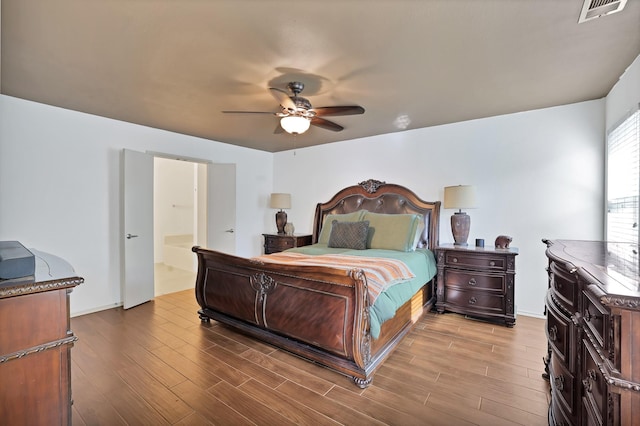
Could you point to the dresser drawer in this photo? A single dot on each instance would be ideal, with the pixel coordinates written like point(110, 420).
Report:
point(562, 386)
point(593, 384)
point(559, 332)
point(475, 301)
point(476, 261)
point(472, 281)
point(596, 319)
point(565, 286)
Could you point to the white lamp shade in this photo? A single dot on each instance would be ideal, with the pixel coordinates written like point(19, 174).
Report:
point(294, 124)
point(280, 201)
point(460, 197)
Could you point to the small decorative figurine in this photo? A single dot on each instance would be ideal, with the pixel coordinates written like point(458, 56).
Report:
point(502, 241)
point(289, 228)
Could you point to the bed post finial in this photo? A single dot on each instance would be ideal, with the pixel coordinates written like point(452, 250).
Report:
point(371, 185)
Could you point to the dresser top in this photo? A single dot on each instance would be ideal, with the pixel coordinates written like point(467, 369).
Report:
point(51, 272)
point(613, 266)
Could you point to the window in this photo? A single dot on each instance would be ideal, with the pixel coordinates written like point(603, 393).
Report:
point(623, 180)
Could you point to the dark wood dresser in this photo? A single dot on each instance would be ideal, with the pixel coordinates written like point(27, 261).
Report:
point(35, 345)
point(593, 331)
point(477, 281)
point(274, 243)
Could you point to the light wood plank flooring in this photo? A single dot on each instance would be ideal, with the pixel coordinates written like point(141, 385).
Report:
point(156, 364)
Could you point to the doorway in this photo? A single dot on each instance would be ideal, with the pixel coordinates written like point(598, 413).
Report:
point(201, 211)
point(180, 220)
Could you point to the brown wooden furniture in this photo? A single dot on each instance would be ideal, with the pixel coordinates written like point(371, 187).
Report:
point(593, 330)
point(35, 345)
point(477, 281)
point(274, 243)
point(319, 313)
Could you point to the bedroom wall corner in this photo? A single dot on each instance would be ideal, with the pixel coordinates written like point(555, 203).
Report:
point(625, 94)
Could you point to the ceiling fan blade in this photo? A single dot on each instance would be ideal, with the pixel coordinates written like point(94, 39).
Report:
point(283, 98)
point(326, 124)
point(339, 110)
point(250, 112)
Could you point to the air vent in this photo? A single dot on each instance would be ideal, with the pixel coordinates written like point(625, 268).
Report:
point(593, 9)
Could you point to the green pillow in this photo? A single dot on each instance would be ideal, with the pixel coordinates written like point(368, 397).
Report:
point(347, 217)
point(392, 231)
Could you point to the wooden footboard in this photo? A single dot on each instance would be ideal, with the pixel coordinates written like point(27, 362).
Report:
point(319, 313)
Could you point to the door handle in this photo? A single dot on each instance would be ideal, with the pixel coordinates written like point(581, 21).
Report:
point(130, 236)
point(231, 231)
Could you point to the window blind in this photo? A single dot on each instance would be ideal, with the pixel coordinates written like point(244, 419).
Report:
point(623, 180)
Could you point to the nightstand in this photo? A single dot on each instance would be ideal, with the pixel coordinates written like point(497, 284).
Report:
point(477, 281)
point(274, 243)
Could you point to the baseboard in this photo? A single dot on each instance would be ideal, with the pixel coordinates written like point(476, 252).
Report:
point(531, 314)
point(96, 309)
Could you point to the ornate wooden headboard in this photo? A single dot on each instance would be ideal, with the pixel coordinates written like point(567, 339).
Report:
point(381, 197)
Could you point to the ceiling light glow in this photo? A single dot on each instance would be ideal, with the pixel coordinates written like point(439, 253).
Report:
point(295, 124)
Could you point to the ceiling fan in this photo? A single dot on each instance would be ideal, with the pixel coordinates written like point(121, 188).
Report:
point(296, 113)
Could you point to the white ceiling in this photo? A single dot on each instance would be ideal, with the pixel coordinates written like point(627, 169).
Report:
point(176, 64)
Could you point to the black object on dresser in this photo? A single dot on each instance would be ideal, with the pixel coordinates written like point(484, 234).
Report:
point(477, 281)
point(274, 243)
point(593, 331)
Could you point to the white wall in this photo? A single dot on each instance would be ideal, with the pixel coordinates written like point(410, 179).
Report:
point(539, 174)
point(60, 188)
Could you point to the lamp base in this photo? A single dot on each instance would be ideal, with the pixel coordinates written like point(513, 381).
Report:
point(460, 225)
point(281, 221)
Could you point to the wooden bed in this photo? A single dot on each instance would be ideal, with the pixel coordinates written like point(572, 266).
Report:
point(317, 312)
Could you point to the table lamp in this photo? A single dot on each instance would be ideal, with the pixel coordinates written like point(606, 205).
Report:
point(280, 201)
point(460, 197)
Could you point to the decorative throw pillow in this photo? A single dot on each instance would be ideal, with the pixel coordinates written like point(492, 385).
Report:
point(351, 235)
point(345, 217)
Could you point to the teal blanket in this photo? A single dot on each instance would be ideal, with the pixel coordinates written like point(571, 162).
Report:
point(422, 263)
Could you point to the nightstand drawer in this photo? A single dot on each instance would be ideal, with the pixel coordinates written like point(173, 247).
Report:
point(471, 300)
point(473, 281)
point(279, 244)
point(274, 243)
point(475, 260)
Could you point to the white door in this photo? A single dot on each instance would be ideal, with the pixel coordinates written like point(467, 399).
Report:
point(138, 286)
point(221, 201)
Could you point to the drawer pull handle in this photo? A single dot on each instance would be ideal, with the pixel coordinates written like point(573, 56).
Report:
point(588, 382)
point(454, 259)
point(473, 300)
point(559, 382)
point(587, 315)
point(472, 281)
point(492, 263)
point(553, 333)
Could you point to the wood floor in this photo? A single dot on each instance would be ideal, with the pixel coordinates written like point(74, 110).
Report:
point(156, 364)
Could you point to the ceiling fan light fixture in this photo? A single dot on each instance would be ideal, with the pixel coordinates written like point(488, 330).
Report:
point(295, 124)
